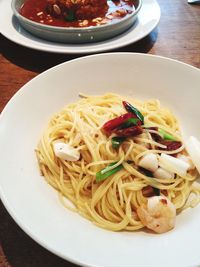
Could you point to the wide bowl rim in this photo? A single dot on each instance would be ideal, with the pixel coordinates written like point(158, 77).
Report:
point(23, 89)
point(73, 29)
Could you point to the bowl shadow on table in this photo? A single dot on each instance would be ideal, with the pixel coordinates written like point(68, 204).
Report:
point(39, 61)
point(17, 249)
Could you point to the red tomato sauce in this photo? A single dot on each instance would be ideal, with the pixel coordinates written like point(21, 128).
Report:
point(37, 11)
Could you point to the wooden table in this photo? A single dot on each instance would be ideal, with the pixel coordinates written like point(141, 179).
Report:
point(177, 36)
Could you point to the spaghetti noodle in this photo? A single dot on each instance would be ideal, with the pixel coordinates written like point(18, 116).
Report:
point(112, 201)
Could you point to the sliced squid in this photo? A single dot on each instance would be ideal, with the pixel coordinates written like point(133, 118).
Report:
point(193, 148)
point(66, 152)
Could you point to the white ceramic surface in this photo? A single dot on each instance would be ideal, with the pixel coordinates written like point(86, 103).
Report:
point(148, 19)
point(34, 205)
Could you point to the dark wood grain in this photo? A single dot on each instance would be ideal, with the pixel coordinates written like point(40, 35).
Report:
point(177, 36)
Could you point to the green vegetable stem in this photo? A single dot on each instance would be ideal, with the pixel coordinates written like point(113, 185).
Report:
point(130, 122)
point(117, 141)
point(166, 135)
point(103, 174)
point(133, 110)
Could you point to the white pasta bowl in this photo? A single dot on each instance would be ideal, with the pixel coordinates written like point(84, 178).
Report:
point(72, 34)
point(35, 205)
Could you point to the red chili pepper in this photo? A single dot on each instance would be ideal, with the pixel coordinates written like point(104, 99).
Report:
point(163, 201)
point(171, 145)
point(156, 137)
point(148, 191)
point(129, 132)
point(111, 125)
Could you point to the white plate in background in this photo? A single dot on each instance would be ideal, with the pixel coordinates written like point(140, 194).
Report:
point(35, 206)
point(148, 18)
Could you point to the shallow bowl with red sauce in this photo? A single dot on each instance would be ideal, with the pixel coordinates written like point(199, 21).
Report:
point(33, 17)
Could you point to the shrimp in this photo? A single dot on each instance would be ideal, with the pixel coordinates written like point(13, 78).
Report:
point(159, 214)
